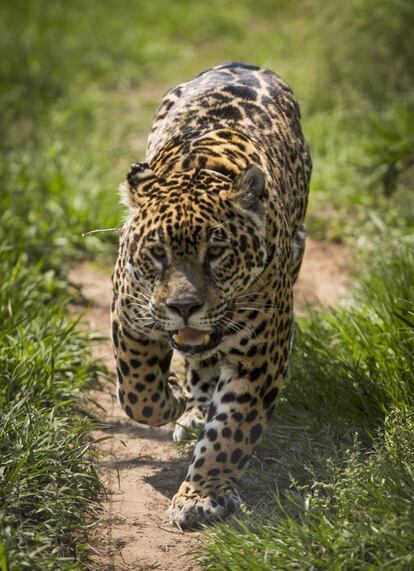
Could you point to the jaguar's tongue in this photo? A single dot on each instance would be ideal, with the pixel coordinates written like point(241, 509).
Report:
point(190, 336)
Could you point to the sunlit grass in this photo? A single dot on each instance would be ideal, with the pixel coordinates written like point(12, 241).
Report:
point(48, 482)
point(359, 518)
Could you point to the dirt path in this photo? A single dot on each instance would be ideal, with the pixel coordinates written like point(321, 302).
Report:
point(141, 466)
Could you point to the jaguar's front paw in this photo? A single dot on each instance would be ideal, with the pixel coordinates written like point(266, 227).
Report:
point(188, 426)
point(190, 509)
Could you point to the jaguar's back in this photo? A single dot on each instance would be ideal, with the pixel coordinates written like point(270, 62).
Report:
point(221, 117)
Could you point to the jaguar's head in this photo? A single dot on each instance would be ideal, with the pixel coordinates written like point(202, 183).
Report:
point(194, 242)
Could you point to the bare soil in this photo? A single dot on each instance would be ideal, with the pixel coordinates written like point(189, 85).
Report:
point(141, 466)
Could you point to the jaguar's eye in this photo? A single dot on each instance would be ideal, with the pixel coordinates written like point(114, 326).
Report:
point(158, 253)
point(214, 253)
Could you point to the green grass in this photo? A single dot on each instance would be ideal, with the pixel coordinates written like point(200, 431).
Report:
point(48, 483)
point(356, 361)
point(79, 84)
point(361, 517)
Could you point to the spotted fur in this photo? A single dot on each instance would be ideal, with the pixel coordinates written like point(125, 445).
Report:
point(214, 241)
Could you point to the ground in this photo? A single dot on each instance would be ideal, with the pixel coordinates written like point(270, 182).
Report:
point(141, 466)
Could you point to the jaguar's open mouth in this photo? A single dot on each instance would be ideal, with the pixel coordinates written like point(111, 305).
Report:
point(193, 341)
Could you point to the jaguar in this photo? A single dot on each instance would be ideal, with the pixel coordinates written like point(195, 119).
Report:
point(208, 255)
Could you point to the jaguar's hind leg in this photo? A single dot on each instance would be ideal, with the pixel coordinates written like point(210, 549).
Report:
point(298, 251)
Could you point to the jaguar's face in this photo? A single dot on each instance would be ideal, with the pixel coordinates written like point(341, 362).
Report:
point(191, 252)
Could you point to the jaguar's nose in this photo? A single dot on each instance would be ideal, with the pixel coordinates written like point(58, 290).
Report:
point(184, 307)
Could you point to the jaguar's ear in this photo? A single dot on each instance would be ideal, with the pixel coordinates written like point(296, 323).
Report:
point(139, 180)
point(249, 187)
